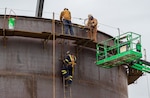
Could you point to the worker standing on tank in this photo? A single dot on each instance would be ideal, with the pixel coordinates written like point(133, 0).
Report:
point(92, 25)
point(68, 67)
point(65, 17)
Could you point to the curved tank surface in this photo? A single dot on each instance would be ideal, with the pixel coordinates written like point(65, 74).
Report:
point(28, 61)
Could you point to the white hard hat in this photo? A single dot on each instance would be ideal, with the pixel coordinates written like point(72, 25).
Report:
point(68, 52)
point(65, 8)
point(90, 15)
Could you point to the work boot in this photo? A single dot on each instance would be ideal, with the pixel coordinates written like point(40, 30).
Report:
point(69, 79)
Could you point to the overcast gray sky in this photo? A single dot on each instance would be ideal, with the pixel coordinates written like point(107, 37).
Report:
point(128, 15)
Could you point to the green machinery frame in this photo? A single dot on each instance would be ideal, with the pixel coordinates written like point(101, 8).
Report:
point(120, 50)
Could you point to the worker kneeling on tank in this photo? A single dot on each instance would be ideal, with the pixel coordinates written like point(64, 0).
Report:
point(68, 67)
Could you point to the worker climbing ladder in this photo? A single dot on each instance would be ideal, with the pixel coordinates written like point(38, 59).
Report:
point(120, 50)
point(68, 72)
point(66, 86)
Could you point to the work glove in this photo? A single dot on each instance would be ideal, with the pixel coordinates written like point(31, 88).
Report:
point(93, 25)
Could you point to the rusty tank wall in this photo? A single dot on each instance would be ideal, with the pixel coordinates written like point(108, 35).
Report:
point(26, 67)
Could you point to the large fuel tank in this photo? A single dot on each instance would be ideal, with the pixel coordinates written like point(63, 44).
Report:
point(30, 66)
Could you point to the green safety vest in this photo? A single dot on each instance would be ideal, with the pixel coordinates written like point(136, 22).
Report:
point(138, 47)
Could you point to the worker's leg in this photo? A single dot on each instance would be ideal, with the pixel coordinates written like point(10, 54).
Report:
point(70, 28)
point(64, 71)
point(70, 74)
point(70, 70)
point(66, 26)
point(90, 33)
point(94, 34)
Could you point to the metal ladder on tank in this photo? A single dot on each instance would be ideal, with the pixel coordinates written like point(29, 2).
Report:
point(67, 90)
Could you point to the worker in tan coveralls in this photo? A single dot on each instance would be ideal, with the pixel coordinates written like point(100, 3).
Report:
point(92, 25)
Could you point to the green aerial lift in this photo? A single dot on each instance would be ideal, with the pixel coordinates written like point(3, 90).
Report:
point(124, 49)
